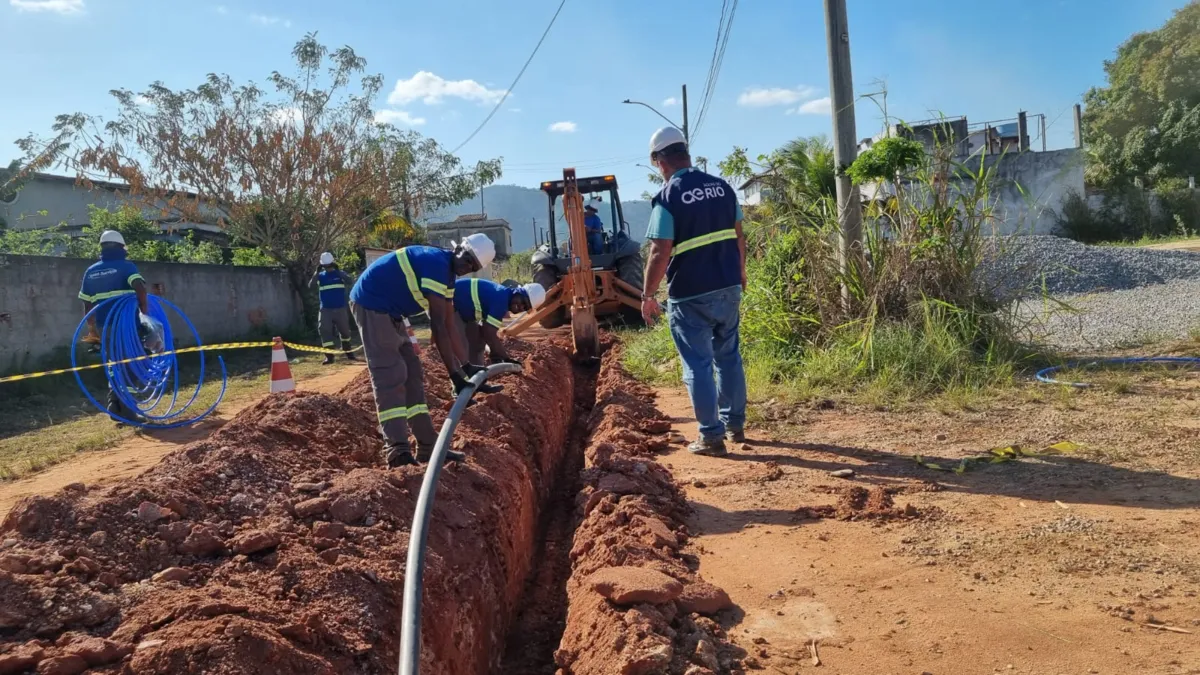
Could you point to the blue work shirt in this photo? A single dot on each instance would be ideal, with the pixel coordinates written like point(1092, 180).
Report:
point(698, 212)
point(331, 288)
point(111, 277)
point(481, 300)
point(397, 284)
point(593, 223)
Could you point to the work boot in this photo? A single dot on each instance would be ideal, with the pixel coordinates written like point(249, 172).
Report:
point(735, 435)
point(424, 454)
point(708, 447)
point(399, 455)
point(328, 360)
point(346, 348)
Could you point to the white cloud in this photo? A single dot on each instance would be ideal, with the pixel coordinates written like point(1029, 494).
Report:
point(286, 115)
point(398, 117)
point(269, 20)
point(563, 127)
point(670, 102)
point(820, 106)
point(142, 101)
point(432, 90)
point(759, 97)
point(55, 6)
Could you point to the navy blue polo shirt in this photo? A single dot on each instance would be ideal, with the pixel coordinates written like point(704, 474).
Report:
point(698, 213)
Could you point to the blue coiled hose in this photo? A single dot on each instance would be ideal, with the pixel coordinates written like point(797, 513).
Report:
point(141, 385)
point(1044, 375)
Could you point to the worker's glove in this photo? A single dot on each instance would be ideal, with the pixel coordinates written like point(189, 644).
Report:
point(471, 369)
point(461, 383)
point(508, 359)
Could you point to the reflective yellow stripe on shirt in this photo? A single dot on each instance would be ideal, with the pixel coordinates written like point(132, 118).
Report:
point(703, 240)
point(495, 322)
point(410, 277)
point(134, 277)
point(436, 287)
point(475, 299)
point(330, 287)
point(111, 294)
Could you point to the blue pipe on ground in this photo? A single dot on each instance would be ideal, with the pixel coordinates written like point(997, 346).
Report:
point(1044, 375)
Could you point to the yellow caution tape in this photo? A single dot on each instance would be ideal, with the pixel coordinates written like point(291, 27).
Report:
point(1007, 453)
point(186, 350)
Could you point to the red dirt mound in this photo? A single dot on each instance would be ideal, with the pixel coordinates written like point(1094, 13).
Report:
point(278, 544)
point(636, 604)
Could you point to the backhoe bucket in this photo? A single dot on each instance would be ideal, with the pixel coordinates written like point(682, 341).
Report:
point(585, 333)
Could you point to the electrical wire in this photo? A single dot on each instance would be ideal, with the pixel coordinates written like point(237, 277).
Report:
point(711, 89)
point(712, 64)
point(142, 384)
point(515, 80)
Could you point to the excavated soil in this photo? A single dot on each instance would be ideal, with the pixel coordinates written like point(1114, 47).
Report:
point(277, 545)
point(636, 603)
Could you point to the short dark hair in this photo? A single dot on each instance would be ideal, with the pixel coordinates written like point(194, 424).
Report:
point(673, 152)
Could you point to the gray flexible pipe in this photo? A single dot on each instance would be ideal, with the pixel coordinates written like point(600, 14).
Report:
point(414, 569)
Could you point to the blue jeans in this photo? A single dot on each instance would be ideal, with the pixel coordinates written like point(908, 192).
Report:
point(595, 243)
point(705, 331)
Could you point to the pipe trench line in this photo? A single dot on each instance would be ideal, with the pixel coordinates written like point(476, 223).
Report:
point(414, 569)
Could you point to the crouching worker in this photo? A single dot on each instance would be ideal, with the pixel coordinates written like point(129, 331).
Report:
point(481, 306)
point(412, 281)
point(334, 319)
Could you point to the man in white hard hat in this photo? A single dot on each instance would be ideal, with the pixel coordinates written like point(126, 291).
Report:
point(696, 242)
point(334, 318)
point(481, 306)
point(414, 280)
point(114, 275)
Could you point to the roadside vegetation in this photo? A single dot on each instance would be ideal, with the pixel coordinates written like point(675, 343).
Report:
point(906, 320)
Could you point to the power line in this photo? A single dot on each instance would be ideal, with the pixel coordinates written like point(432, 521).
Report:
point(515, 80)
point(717, 72)
point(712, 64)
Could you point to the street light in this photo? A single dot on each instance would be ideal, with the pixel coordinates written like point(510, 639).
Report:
point(683, 127)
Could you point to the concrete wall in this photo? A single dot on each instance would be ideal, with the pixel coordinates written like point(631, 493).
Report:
point(1028, 188)
point(40, 307)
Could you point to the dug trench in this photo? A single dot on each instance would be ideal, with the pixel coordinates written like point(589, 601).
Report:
point(277, 545)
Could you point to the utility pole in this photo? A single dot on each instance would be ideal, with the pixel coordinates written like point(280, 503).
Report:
point(686, 138)
point(845, 143)
point(535, 239)
point(1078, 126)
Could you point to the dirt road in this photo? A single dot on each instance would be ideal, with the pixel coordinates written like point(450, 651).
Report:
point(1046, 567)
point(145, 450)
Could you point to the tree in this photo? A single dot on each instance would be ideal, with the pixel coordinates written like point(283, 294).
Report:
point(797, 175)
point(424, 177)
point(294, 170)
point(1144, 126)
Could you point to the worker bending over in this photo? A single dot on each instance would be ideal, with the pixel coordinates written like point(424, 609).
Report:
point(335, 316)
point(111, 277)
point(482, 305)
point(696, 241)
point(408, 282)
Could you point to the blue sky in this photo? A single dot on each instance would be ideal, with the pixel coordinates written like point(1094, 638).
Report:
point(446, 62)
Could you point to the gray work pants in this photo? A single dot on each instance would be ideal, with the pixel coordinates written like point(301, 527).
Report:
point(473, 333)
point(333, 323)
point(397, 380)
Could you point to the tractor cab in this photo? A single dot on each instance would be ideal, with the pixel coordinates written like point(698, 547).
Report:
point(600, 192)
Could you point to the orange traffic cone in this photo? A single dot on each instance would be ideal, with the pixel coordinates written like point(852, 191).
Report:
point(412, 337)
point(281, 372)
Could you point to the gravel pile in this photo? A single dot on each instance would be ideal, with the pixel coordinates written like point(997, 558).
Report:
point(1114, 296)
point(1018, 267)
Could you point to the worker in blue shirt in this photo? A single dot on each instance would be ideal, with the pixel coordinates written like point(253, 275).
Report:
point(332, 288)
point(595, 229)
point(111, 277)
point(414, 280)
point(481, 306)
point(696, 242)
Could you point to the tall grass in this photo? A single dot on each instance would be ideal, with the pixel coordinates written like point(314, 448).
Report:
point(906, 319)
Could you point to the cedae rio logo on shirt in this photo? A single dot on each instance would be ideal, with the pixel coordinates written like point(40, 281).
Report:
point(102, 272)
point(700, 194)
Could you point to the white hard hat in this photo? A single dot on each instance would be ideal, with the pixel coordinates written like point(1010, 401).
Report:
point(592, 206)
point(664, 137)
point(112, 237)
point(537, 294)
point(327, 258)
point(483, 248)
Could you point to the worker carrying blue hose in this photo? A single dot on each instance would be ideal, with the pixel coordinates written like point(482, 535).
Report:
point(112, 276)
point(334, 317)
point(480, 306)
point(408, 282)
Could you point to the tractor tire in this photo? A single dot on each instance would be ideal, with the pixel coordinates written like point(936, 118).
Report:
point(548, 276)
point(630, 270)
